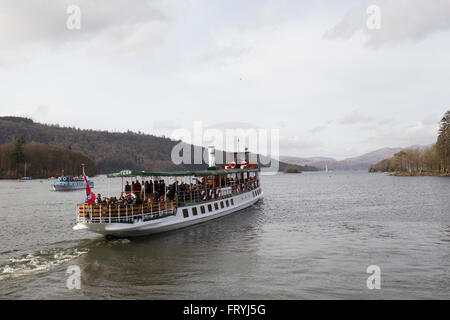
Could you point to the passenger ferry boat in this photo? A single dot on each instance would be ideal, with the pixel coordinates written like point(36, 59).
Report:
point(193, 197)
point(70, 183)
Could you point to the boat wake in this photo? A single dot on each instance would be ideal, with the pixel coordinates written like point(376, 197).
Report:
point(117, 242)
point(39, 262)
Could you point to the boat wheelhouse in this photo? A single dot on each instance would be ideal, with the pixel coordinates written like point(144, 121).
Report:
point(189, 197)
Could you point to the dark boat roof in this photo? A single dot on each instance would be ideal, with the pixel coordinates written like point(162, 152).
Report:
point(201, 173)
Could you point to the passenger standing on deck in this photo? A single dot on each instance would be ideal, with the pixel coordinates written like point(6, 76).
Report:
point(157, 190)
point(171, 192)
point(147, 189)
point(138, 188)
point(127, 187)
point(162, 188)
point(150, 183)
point(182, 191)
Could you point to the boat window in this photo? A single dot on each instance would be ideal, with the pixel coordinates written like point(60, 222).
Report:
point(221, 204)
point(210, 208)
point(185, 213)
point(194, 211)
point(202, 209)
point(216, 206)
point(232, 202)
point(227, 203)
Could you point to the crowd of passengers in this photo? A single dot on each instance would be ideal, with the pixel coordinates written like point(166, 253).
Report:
point(157, 191)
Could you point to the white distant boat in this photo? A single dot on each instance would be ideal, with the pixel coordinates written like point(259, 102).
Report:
point(215, 194)
point(25, 178)
point(70, 183)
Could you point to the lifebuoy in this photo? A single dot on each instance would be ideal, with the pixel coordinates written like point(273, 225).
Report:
point(238, 188)
point(243, 164)
point(204, 195)
point(211, 194)
point(243, 187)
point(233, 165)
point(217, 193)
point(131, 198)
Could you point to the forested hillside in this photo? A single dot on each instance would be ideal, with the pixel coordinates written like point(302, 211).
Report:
point(109, 151)
point(39, 160)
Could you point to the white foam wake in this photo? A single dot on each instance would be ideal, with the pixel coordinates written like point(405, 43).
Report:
point(38, 262)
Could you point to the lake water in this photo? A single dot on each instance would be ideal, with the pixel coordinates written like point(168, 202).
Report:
point(312, 236)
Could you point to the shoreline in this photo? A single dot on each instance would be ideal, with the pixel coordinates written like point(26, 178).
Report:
point(419, 174)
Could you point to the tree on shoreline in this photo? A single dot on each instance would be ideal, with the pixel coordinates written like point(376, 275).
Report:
point(434, 159)
point(43, 161)
point(443, 142)
point(17, 155)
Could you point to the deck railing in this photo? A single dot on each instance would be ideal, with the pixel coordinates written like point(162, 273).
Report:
point(116, 213)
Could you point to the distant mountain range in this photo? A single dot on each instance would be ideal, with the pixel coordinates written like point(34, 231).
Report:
point(362, 162)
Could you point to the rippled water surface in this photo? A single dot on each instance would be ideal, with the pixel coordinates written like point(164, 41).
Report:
point(312, 236)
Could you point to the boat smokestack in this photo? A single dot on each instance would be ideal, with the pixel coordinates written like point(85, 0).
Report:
point(211, 156)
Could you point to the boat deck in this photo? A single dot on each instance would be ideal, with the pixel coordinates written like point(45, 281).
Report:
point(115, 213)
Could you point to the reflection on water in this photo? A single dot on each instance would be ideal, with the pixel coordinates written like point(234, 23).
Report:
point(313, 236)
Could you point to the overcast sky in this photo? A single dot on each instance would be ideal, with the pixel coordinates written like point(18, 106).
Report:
point(311, 69)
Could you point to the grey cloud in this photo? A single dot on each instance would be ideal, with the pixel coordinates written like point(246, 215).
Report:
point(296, 144)
point(356, 117)
point(318, 129)
point(272, 9)
point(401, 21)
point(223, 56)
point(233, 125)
point(43, 22)
point(406, 135)
point(41, 111)
point(171, 124)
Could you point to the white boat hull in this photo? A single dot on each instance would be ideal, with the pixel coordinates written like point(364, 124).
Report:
point(177, 221)
point(71, 186)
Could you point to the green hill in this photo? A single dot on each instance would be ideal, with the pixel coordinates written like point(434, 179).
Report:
point(41, 161)
point(110, 151)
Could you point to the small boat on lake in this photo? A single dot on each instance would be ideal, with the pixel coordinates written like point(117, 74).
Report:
point(172, 200)
point(25, 178)
point(70, 183)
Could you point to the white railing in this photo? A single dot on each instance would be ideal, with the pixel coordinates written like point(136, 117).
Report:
point(96, 213)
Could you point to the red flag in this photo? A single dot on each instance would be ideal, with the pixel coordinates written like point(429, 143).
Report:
point(89, 195)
